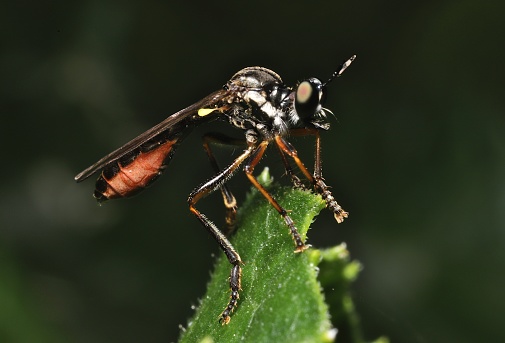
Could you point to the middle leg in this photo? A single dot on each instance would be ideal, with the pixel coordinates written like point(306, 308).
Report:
point(229, 200)
point(249, 169)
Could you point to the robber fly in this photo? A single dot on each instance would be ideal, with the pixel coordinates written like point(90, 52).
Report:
point(256, 101)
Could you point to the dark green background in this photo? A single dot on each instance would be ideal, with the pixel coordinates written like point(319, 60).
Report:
point(416, 156)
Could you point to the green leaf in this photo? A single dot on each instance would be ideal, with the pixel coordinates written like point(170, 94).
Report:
point(337, 272)
point(281, 299)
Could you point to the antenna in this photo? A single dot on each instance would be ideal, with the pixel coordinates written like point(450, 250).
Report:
point(340, 69)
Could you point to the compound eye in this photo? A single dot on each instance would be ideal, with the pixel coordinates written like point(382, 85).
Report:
point(308, 98)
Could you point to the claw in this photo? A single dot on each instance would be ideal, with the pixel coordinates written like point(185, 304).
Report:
point(340, 216)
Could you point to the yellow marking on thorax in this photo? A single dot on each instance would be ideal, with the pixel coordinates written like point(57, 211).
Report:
point(202, 112)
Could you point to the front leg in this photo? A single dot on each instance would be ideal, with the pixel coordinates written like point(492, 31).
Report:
point(316, 179)
point(322, 188)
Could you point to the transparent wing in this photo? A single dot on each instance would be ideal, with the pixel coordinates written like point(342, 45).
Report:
point(207, 102)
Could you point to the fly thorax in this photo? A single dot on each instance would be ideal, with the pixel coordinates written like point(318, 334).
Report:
point(266, 110)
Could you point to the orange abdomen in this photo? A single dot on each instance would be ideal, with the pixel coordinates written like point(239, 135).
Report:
point(130, 175)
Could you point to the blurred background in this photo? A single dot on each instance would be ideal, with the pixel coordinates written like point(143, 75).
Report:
point(415, 154)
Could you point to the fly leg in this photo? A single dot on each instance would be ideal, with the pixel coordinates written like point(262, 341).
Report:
point(229, 200)
point(316, 179)
point(297, 183)
point(249, 169)
point(233, 257)
point(322, 188)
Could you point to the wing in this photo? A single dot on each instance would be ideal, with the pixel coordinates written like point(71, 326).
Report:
point(209, 101)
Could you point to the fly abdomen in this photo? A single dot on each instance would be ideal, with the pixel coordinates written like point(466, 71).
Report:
point(128, 176)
